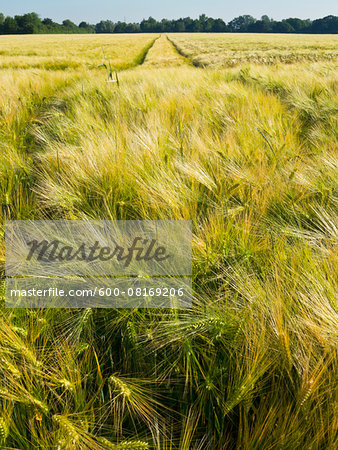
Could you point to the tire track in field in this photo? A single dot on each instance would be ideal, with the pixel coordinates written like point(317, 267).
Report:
point(143, 56)
point(164, 54)
point(179, 51)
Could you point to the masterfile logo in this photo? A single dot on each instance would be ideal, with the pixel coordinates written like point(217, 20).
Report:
point(141, 249)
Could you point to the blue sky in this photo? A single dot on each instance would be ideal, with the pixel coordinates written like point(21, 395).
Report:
point(133, 10)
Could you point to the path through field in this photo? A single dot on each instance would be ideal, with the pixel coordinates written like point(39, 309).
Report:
point(164, 54)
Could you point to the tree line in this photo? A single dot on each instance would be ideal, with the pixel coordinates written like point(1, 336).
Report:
point(32, 24)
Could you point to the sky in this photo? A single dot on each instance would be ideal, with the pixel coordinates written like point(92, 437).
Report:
point(93, 11)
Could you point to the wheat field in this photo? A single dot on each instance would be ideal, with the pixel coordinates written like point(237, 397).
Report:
point(219, 50)
point(237, 133)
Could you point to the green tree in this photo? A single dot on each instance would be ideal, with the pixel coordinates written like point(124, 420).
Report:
point(196, 26)
point(282, 27)
point(29, 23)
point(150, 25)
point(10, 26)
point(179, 26)
point(69, 26)
point(328, 24)
point(48, 22)
point(266, 19)
point(299, 25)
point(105, 26)
point(260, 26)
point(85, 27)
point(2, 19)
point(241, 23)
point(219, 26)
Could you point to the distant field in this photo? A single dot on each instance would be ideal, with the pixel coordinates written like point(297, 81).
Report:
point(233, 49)
point(244, 148)
point(72, 51)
